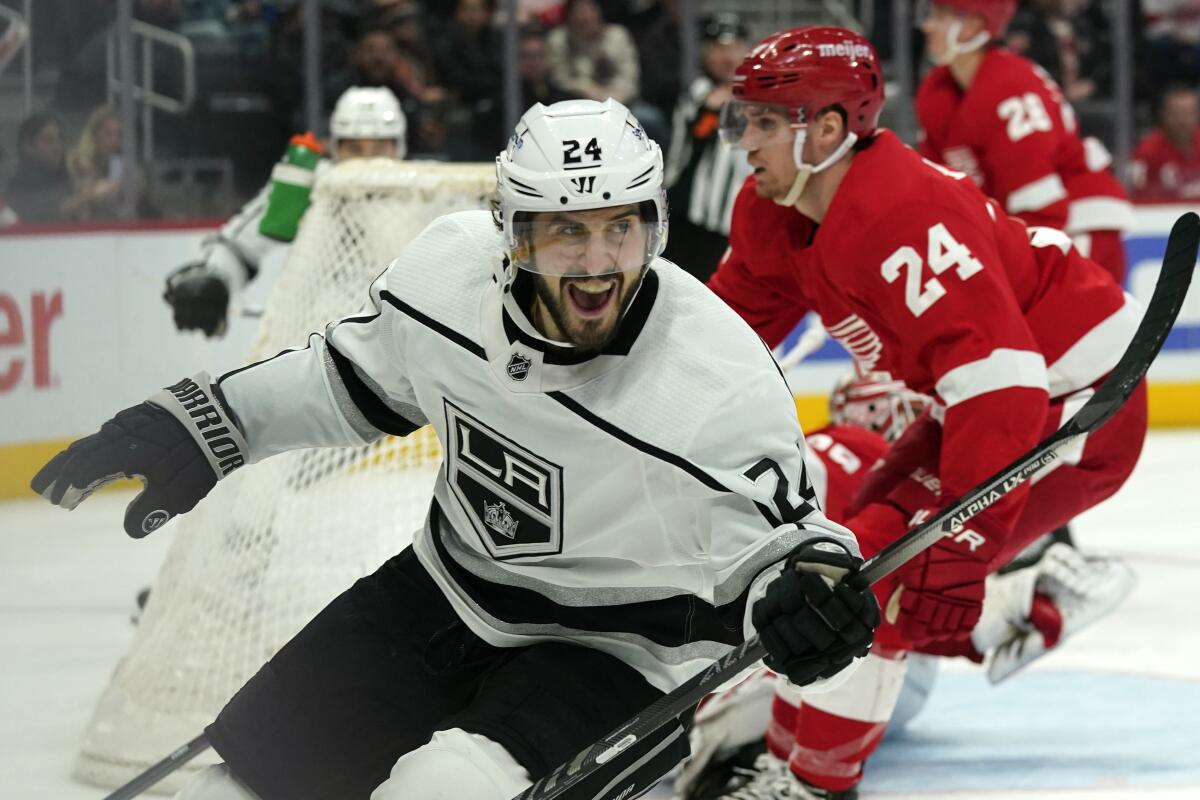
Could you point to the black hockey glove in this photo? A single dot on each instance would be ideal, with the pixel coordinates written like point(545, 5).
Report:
point(199, 299)
point(180, 442)
point(814, 620)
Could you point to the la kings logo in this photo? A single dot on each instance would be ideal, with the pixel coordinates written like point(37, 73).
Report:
point(512, 496)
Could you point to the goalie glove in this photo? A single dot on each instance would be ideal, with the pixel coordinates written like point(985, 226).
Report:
point(179, 443)
point(815, 619)
point(199, 299)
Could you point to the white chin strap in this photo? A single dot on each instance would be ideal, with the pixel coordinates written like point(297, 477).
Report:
point(955, 48)
point(804, 170)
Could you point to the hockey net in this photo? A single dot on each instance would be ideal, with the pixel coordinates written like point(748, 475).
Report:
point(275, 542)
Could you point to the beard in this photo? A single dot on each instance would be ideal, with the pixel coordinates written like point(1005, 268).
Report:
point(587, 335)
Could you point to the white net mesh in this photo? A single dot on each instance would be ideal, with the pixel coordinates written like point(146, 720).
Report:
point(276, 541)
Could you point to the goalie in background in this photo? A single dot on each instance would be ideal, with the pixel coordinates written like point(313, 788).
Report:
point(367, 122)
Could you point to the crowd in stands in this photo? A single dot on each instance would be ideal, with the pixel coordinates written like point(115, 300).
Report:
point(84, 184)
point(444, 60)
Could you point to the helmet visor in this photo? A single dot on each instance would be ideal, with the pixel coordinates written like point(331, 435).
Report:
point(754, 125)
point(599, 241)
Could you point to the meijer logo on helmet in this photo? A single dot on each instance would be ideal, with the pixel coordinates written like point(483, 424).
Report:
point(844, 48)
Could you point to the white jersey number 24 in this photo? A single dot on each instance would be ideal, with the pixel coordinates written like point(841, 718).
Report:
point(943, 252)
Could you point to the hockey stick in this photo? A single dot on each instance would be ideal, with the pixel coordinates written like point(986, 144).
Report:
point(1169, 292)
point(161, 770)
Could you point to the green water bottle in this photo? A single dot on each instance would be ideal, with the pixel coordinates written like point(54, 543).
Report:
point(291, 185)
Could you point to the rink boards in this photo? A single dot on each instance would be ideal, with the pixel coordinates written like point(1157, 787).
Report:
point(84, 331)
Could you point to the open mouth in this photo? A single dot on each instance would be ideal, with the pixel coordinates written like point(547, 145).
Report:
point(592, 298)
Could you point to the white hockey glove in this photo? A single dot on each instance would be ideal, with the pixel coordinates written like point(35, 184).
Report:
point(814, 619)
point(180, 442)
point(199, 299)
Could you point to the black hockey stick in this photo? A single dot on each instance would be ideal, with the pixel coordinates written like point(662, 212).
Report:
point(161, 770)
point(1169, 292)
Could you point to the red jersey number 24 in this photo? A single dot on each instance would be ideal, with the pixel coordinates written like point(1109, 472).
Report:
point(943, 252)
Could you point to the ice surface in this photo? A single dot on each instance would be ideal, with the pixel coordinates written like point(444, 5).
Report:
point(1115, 714)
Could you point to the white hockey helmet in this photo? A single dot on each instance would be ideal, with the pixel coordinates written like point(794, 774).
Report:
point(580, 155)
point(369, 112)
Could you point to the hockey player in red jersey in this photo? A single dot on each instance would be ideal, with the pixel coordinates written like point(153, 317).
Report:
point(918, 274)
point(744, 738)
point(1002, 119)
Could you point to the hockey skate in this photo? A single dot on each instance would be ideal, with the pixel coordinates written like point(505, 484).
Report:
point(769, 778)
point(727, 738)
point(1071, 591)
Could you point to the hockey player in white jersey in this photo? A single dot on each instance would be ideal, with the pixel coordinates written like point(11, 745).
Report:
point(623, 497)
point(367, 122)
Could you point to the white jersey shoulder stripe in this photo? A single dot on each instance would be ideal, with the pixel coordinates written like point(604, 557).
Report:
point(1099, 214)
point(1036, 195)
point(1003, 368)
point(1096, 352)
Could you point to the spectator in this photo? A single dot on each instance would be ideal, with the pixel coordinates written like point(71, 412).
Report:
point(378, 60)
point(535, 75)
point(250, 23)
point(660, 58)
point(374, 61)
point(1173, 34)
point(704, 174)
point(416, 66)
point(591, 59)
point(1070, 45)
point(468, 61)
point(40, 191)
point(544, 13)
point(1166, 163)
point(98, 172)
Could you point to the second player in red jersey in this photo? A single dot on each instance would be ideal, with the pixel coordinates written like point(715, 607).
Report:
point(1001, 119)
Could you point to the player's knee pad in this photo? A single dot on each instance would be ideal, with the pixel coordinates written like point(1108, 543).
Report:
point(868, 695)
point(455, 765)
point(215, 783)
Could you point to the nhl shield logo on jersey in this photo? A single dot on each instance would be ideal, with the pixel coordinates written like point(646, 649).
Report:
point(518, 367)
point(512, 496)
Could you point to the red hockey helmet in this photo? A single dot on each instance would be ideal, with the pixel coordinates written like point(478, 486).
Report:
point(809, 69)
point(996, 13)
